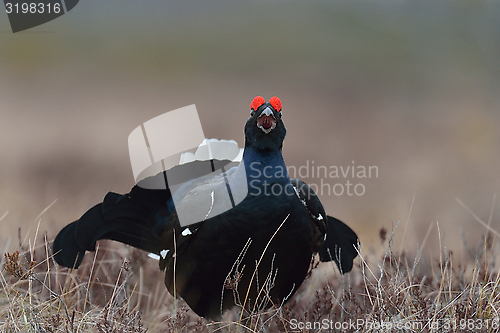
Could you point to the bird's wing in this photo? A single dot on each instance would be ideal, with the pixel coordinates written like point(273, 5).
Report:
point(313, 205)
point(210, 195)
point(341, 245)
point(333, 239)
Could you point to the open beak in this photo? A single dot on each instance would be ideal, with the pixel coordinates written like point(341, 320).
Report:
point(266, 121)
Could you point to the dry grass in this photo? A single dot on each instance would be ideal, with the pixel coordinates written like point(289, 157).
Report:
point(391, 293)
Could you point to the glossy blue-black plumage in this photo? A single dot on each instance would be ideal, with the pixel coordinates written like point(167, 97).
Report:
point(253, 254)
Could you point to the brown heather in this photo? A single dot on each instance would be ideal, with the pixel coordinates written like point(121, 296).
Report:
point(121, 294)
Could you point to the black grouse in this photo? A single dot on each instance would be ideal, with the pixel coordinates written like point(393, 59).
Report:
point(257, 251)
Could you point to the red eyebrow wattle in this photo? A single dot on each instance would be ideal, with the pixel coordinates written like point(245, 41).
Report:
point(276, 103)
point(257, 102)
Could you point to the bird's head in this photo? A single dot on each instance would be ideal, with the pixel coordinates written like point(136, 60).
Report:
point(264, 129)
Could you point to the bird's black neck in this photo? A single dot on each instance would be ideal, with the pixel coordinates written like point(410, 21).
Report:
point(265, 165)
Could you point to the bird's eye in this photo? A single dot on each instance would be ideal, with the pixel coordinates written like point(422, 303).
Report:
point(256, 103)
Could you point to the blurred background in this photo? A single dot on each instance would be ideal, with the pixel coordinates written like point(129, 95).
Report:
point(411, 87)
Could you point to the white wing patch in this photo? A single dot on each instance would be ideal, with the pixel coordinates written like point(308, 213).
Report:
point(164, 253)
point(154, 256)
point(304, 203)
point(214, 148)
point(186, 232)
